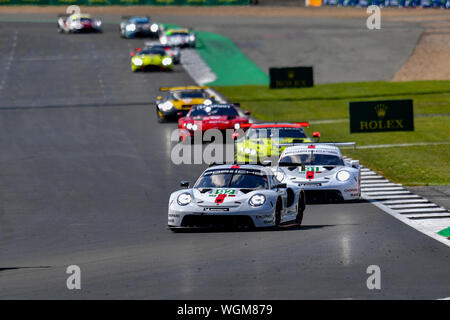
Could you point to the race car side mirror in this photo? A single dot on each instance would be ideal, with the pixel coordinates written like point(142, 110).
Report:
point(281, 186)
point(131, 54)
point(354, 163)
point(137, 49)
point(184, 184)
point(247, 113)
point(158, 98)
point(235, 135)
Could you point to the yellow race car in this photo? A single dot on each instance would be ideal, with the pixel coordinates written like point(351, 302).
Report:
point(179, 101)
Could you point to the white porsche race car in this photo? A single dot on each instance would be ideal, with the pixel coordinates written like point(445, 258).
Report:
point(321, 171)
point(236, 196)
point(78, 23)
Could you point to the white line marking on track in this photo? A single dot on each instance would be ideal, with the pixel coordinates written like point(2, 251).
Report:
point(414, 144)
point(388, 202)
point(436, 209)
point(380, 188)
point(411, 223)
point(196, 67)
point(384, 184)
point(428, 215)
point(413, 205)
point(388, 197)
point(388, 193)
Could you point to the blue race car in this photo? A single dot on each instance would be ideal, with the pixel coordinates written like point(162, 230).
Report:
point(132, 27)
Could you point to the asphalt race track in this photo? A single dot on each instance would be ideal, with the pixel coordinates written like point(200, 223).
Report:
point(85, 175)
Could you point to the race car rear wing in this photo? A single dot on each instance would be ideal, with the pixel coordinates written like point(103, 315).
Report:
point(183, 88)
point(336, 144)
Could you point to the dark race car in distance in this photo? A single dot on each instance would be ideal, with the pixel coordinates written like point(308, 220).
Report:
point(132, 27)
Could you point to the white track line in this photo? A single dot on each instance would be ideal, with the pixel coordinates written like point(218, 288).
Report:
point(381, 188)
point(385, 184)
point(422, 210)
point(413, 205)
point(414, 144)
point(389, 202)
point(411, 223)
point(196, 67)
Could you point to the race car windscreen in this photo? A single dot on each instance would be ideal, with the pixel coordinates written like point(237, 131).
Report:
point(311, 159)
point(153, 51)
point(232, 178)
point(281, 133)
point(202, 110)
point(178, 34)
point(192, 95)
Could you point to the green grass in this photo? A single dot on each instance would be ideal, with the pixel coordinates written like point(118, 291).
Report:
point(330, 101)
point(424, 165)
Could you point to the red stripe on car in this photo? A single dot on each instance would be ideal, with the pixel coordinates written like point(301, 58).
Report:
point(220, 198)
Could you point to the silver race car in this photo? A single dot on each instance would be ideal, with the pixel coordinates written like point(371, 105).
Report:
point(321, 171)
point(237, 196)
point(178, 37)
point(78, 22)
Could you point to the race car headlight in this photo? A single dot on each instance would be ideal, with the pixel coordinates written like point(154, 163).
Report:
point(98, 23)
point(207, 102)
point(167, 61)
point(163, 40)
point(194, 127)
point(138, 61)
point(247, 150)
point(166, 106)
point(189, 126)
point(237, 126)
point(192, 37)
point(154, 27)
point(257, 200)
point(343, 175)
point(184, 199)
point(131, 27)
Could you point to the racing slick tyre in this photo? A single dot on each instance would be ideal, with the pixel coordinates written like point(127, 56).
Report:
point(159, 116)
point(300, 209)
point(278, 214)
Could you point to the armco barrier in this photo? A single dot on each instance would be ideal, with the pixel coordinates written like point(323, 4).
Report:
point(127, 2)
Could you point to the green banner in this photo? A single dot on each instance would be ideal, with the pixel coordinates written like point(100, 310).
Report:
point(127, 2)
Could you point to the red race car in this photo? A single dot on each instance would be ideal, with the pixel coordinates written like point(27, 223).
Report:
point(202, 117)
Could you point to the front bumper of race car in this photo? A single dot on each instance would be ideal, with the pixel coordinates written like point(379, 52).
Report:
point(195, 217)
point(330, 191)
point(172, 114)
point(141, 33)
point(151, 67)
